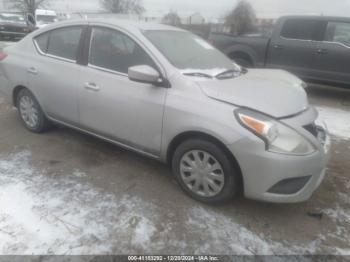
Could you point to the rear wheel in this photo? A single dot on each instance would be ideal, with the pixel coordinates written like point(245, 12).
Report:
point(205, 172)
point(31, 113)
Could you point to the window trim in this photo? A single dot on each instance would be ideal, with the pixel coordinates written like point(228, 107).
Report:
point(82, 38)
point(319, 41)
point(296, 39)
point(160, 68)
point(107, 70)
point(38, 49)
point(333, 42)
point(336, 43)
point(37, 45)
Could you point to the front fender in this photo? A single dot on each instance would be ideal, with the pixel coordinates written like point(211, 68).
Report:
point(185, 115)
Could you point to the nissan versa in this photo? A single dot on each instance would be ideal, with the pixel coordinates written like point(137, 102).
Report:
point(169, 95)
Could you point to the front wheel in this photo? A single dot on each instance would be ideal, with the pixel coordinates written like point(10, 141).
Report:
point(31, 113)
point(205, 172)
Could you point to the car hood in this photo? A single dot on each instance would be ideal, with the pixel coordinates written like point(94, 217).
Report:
point(273, 92)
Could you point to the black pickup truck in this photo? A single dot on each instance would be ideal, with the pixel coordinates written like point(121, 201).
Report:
point(15, 26)
point(316, 49)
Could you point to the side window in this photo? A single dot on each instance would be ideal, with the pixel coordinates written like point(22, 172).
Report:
point(116, 51)
point(338, 32)
point(64, 42)
point(42, 41)
point(299, 29)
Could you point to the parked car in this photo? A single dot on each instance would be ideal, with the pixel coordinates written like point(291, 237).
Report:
point(45, 17)
point(315, 48)
point(14, 26)
point(168, 94)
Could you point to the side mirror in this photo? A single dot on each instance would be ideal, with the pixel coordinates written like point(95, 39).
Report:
point(31, 20)
point(144, 74)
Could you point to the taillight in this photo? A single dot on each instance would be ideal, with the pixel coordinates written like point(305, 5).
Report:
point(2, 56)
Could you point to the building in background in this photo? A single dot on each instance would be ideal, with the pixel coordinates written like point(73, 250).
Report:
point(6, 5)
point(194, 19)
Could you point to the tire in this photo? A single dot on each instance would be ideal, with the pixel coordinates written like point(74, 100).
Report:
point(243, 62)
point(226, 187)
point(30, 112)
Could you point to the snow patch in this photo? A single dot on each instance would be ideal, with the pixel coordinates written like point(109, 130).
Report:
point(78, 173)
point(143, 232)
point(225, 235)
point(40, 215)
point(228, 237)
point(337, 120)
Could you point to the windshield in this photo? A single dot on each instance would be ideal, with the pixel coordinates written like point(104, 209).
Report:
point(12, 18)
point(190, 53)
point(47, 19)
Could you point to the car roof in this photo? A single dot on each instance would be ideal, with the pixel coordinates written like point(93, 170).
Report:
point(318, 17)
point(135, 24)
point(123, 23)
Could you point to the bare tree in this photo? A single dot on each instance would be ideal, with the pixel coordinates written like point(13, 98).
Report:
point(123, 6)
point(172, 18)
point(28, 6)
point(241, 19)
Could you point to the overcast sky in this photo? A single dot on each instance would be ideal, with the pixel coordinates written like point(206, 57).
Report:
point(218, 8)
point(264, 7)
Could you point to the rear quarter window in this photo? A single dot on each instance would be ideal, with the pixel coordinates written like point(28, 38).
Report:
point(42, 42)
point(64, 42)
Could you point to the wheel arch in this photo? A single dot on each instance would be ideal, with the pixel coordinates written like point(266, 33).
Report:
point(176, 141)
point(15, 93)
point(244, 51)
point(242, 55)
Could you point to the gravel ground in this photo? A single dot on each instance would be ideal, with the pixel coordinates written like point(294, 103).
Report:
point(67, 193)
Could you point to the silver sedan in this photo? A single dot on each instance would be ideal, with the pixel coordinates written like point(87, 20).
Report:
point(168, 94)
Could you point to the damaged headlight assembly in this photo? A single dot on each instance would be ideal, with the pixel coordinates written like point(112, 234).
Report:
point(278, 137)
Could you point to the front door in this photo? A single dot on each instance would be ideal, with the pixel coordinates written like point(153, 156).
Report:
point(292, 47)
point(113, 106)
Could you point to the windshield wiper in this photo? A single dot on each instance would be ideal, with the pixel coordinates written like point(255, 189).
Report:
point(198, 74)
point(229, 74)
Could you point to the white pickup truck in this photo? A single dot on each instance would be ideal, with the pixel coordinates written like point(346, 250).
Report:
point(45, 17)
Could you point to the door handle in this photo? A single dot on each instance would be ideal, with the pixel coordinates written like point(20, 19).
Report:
point(322, 51)
point(278, 47)
point(92, 87)
point(32, 70)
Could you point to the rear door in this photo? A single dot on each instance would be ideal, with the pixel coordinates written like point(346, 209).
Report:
point(332, 61)
point(53, 73)
point(293, 46)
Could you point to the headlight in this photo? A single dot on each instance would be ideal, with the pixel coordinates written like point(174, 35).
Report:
point(278, 137)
